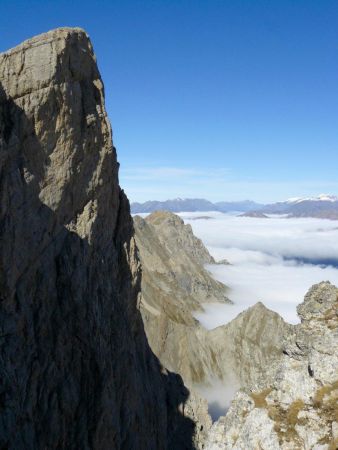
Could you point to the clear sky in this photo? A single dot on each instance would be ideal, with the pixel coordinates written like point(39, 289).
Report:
point(215, 99)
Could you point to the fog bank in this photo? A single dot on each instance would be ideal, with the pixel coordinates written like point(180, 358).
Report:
point(267, 261)
point(219, 395)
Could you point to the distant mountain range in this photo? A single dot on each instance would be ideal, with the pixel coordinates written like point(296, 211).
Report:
point(324, 206)
point(193, 205)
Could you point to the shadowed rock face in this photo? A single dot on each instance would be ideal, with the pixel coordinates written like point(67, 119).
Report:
point(76, 370)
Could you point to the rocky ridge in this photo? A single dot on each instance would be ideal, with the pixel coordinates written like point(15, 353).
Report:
point(76, 369)
point(174, 285)
point(297, 407)
point(174, 259)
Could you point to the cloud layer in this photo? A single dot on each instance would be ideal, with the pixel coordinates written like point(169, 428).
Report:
point(267, 257)
point(219, 395)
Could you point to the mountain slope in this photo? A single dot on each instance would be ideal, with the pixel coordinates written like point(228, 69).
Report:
point(297, 408)
point(174, 285)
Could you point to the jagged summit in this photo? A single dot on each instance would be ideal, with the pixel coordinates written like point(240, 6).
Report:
point(175, 230)
point(173, 261)
point(174, 285)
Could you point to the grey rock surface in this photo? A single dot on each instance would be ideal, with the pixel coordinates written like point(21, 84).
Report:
point(174, 285)
point(174, 259)
point(250, 343)
point(76, 370)
point(298, 406)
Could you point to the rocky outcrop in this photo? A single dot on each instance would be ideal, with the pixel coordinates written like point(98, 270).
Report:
point(249, 343)
point(174, 285)
point(173, 264)
point(298, 406)
point(75, 367)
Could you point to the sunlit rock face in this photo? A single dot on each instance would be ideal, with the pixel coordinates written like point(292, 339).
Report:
point(174, 285)
point(75, 366)
point(298, 406)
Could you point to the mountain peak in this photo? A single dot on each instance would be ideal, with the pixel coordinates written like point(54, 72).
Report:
point(318, 198)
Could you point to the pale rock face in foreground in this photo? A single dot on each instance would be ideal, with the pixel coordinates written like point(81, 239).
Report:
point(298, 409)
point(75, 367)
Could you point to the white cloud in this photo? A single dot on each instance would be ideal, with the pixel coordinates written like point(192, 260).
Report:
point(265, 256)
point(288, 238)
point(219, 394)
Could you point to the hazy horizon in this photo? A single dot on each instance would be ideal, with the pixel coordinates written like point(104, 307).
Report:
point(231, 200)
point(161, 184)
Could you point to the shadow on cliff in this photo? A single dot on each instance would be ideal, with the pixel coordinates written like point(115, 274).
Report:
point(76, 369)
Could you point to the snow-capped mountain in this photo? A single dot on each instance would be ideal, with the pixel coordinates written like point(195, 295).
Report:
point(319, 198)
point(323, 206)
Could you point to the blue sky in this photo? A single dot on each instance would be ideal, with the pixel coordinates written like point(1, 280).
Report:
point(215, 99)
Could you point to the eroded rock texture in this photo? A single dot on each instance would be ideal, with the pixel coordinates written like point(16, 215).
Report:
point(174, 285)
point(75, 367)
point(174, 278)
point(298, 407)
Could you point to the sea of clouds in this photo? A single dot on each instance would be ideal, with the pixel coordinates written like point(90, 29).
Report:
point(273, 260)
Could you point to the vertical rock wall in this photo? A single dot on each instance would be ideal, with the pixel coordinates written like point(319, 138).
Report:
point(76, 370)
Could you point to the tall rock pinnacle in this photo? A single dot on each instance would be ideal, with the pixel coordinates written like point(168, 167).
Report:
point(76, 370)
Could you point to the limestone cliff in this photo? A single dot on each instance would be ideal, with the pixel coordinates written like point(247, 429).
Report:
point(174, 278)
point(75, 367)
point(298, 406)
point(249, 343)
point(174, 284)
